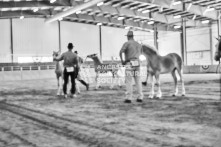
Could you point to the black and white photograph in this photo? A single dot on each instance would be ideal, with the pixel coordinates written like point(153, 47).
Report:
point(110, 73)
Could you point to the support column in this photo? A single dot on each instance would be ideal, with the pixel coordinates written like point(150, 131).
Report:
point(100, 41)
point(218, 23)
point(183, 39)
point(12, 47)
point(155, 36)
point(59, 35)
point(211, 43)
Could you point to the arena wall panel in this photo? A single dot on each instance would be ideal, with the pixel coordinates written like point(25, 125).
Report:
point(84, 37)
point(112, 41)
point(198, 39)
point(144, 37)
point(33, 37)
point(214, 41)
point(198, 46)
point(46, 74)
point(5, 41)
point(114, 38)
point(169, 42)
point(10, 76)
point(200, 69)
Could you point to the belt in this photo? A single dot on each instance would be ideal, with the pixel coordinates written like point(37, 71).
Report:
point(131, 59)
point(71, 66)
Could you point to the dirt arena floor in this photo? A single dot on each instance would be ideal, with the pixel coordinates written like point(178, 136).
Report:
point(31, 115)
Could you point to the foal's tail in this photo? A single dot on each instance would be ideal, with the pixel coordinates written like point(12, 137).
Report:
point(178, 61)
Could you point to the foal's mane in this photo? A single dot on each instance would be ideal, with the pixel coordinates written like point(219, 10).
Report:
point(150, 48)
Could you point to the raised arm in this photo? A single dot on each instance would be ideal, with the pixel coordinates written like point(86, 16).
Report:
point(58, 58)
point(124, 47)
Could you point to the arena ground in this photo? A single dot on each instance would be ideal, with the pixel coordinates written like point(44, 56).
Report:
point(33, 116)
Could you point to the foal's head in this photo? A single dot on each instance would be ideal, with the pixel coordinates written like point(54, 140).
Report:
point(218, 50)
point(95, 58)
point(92, 56)
point(55, 54)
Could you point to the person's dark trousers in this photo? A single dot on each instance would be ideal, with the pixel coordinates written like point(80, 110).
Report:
point(83, 82)
point(73, 76)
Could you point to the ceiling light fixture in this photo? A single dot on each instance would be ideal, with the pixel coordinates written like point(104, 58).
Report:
point(210, 9)
point(151, 31)
point(78, 12)
point(127, 28)
point(161, 9)
point(52, 1)
point(99, 24)
point(120, 18)
point(145, 11)
point(150, 22)
point(205, 21)
point(141, 9)
point(194, 17)
point(189, 6)
point(35, 9)
point(177, 16)
point(177, 27)
point(177, 3)
point(100, 4)
point(22, 17)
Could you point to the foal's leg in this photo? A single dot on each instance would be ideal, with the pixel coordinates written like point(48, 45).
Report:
point(96, 80)
point(159, 93)
point(120, 76)
point(152, 87)
point(59, 82)
point(77, 87)
point(175, 82)
point(112, 80)
point(180, 72)
point(146, 81)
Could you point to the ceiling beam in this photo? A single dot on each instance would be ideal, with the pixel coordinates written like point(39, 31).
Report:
point(11, 4)
point(157, 17)
point(195, 9)
point(73, 10)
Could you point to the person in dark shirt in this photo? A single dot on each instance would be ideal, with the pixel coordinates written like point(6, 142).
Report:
point(70, 68)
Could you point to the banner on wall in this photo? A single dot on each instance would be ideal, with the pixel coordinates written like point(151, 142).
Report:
point(204, 68)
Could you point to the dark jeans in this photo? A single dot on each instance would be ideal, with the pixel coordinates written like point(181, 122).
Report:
point(73, 75)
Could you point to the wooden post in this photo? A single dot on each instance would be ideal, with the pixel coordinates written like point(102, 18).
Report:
point(183, 39)
point(59, 34)
point(211, 43)
point(100, 41)
point(12, 47)
point(155, 36)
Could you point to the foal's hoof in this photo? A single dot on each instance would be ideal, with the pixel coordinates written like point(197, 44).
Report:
point(173, 95)
point(183, 95)
point(139, 100)
point(144, 83)
point(127, 101)
point(150, 97)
